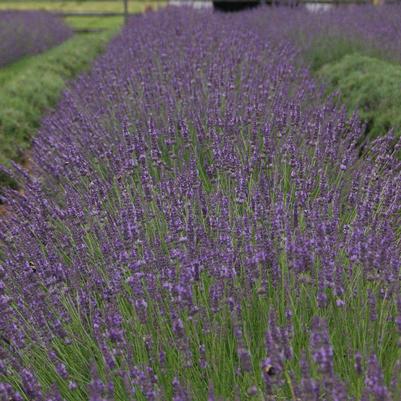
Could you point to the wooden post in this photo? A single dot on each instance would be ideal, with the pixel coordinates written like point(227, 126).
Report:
point(125, 11)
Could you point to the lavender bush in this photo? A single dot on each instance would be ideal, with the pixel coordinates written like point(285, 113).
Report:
point(24, 33)
point(199, 226)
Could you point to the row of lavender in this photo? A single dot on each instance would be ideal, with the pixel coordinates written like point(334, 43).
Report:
point(24, 33)
point(374, 29)
point(201, 226)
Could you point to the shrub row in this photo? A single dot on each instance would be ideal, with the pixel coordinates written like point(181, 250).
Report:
point(370, 85)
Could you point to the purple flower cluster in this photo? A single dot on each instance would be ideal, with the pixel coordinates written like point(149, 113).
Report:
point(199, 224)
point(24, 33)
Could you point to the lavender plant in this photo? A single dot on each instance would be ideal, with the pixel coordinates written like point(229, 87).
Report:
point(24, 33)
point(199, 226)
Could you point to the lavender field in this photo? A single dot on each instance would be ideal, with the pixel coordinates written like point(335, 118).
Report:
point(200, 224)
point(24, 33)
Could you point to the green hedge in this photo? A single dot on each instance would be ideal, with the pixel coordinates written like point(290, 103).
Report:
point(372, 86)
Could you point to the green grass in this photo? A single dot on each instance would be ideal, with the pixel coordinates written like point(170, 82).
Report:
point(95, 22)
point(33, 85)
point(370, 85)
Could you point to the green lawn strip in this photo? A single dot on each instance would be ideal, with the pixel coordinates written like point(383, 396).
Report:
point(372, 86)
point(33, 85)
point(95, 22)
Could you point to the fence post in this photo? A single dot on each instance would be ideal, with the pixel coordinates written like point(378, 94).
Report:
point(125, 11)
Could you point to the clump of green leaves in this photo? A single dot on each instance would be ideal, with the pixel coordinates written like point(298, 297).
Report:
point(370, 85)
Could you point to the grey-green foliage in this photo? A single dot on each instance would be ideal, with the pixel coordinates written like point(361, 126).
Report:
point(372, 86)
